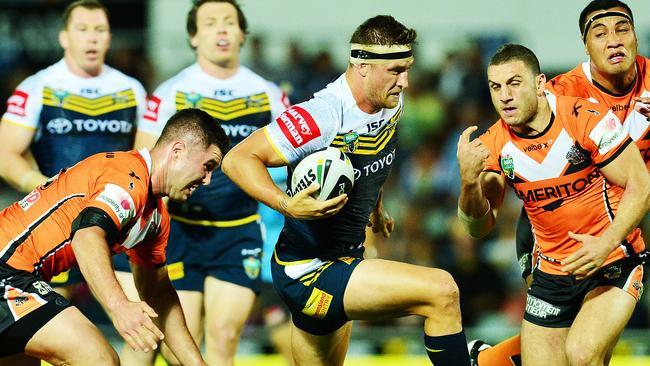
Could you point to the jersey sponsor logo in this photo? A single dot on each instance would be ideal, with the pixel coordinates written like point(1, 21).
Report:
point(17, 103)
point(29, 200)
point(558, 191)
point(608, 133)
point(620, 108)
point(298, 126)
point(61, 126)
point(375, 166)
point(238, 130)
point(153, 105)
point(540, 146)
point(120, 202)
point(318, 304)
point(540, 308)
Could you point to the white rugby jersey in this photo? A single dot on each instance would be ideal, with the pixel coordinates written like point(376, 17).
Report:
point(332, 118)
point(240, 104)
point(75, 117)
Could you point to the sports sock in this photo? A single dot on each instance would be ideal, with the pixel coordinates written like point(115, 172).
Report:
point(505, 353)
point(447, 350)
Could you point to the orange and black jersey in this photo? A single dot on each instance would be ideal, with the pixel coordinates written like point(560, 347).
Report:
point(556, 174)
point(578, 83)
point(35, 233)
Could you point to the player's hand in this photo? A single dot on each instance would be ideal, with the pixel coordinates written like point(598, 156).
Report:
point(381, 221)
point(304, 206)
point(133, 321)
point(471, 156)
point(587, 260)
point(642, 106)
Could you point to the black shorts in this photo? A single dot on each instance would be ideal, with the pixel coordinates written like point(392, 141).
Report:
point(315, 298)
point(26, 305)
point(230, 254)
point(554, 301)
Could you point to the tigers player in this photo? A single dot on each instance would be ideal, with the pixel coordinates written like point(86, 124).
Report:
point(584, 187)
point(615, 76)
point(106, 204)
point(215, 248)
point(73, 109)
point(318, 266)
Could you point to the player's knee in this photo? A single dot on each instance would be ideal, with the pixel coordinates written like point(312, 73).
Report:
point(224, 334)
point(583, 354)
point(444, 294)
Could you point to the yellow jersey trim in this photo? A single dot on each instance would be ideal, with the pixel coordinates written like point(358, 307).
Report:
point(277, 151)
point(229, 223)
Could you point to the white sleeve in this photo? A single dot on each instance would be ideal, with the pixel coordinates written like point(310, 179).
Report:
point(303, 129)
point(160, 106)
point(25, 104)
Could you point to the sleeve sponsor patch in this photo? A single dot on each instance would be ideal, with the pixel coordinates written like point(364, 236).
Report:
point(153, 105)
point(17, 103)
point(119, 201)
point(298, 126)
point(608, 133)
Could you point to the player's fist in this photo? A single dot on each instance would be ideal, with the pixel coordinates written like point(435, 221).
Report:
point(471, 156)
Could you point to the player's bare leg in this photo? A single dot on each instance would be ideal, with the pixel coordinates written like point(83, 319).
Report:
point(541, 346)
point(129, 357)
point(71, 339)
point(381, 289)
point(192, 304)
point(309, 349)
point(588, 341)
point(227, 306)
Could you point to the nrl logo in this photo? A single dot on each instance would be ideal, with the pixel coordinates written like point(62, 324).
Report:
point(351, 141)
point(508, 166)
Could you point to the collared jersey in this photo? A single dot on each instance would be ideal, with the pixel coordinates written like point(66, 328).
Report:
point(578, 83)
point(76, 117)
point(332, 118)
point(556, 174)
point(35, 233)
point(240, 104)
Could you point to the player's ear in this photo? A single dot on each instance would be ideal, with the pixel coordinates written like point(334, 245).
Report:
point(63, 39)
point(541, 83)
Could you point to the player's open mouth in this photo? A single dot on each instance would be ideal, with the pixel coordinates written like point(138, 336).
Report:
point(616, 57)
point(223, 43)
point(92, 53)
point(509, 111)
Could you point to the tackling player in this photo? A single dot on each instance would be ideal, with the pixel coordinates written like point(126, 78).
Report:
point(106, 204)
point(318, 266)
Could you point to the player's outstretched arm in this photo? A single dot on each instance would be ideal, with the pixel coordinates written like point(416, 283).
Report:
point(627, 170)
point(245, 164)
point(15, 168)
point(131, 319)
point(155, 288)
point(481, 193)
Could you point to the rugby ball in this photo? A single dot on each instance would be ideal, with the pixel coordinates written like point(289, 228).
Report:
point(330, 168)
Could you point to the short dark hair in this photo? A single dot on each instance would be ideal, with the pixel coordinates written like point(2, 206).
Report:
point(383, 30)
point(192, 27)
point(198, 127)
point(88, 4)
point(510, 51)
point(596, 5)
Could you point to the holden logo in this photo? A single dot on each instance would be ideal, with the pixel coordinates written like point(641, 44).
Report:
point(59, 126)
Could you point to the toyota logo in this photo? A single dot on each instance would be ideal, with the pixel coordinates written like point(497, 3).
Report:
point(59, 126)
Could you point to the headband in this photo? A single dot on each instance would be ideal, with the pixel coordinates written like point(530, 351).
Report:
point(603, 15)
point(376, 54)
